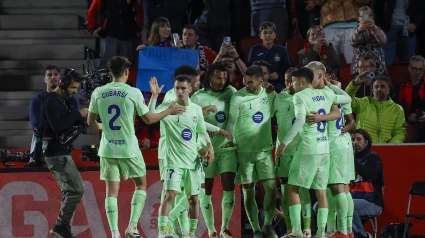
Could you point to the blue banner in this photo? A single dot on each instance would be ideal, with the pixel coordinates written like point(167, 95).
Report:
point(161, 62)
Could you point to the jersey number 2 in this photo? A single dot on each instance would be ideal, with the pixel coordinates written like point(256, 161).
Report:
point(115, 117)
point(321, 126)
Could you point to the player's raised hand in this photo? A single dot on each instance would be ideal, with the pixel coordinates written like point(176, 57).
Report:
point(336, 83)
point(269, 87)
point(155, 89)
point(228, 145)
point(280, 150)
point(174, 110)
point(225, 134)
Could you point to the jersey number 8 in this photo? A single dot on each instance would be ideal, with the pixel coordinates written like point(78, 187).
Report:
point(321, 126)
point(115, 117)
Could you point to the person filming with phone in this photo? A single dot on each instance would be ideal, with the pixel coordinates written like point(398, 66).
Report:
point(367, 40)
point(318, 48)
point(379, 115)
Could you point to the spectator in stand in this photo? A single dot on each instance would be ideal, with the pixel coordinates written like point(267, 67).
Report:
point(190, 41)
point(338, 17)
point(318, 48)
point(273, 11)
point(117, 24)
point(378, 115)
point(365, 65)
point(276, 55)
point(160, 34)
point(229, 56)
point(367, 41)
point(368, 187)
point(265, 66)
point(219, 19)
point(305, 15)
point(399, 20)
point(174, 10)
point(411, 93)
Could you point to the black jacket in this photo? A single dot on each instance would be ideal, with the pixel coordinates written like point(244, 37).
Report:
point(383, 10)
point(58, 116)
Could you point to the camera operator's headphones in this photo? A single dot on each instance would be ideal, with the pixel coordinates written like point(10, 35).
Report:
point(65, 80)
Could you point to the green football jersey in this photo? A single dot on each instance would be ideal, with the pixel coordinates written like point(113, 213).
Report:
point(315, 136)
point(346, 110)
point(249, 120)
point(221, 100)
point(334, 129)
point(117, 104)
point(285, 115)
point(181, 131)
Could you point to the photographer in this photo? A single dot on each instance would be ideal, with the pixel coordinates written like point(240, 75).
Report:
point(59, 117)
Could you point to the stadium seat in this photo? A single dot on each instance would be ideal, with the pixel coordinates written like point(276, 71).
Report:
point(294, 46)
point(398, 73)
point(345, 75)
point(245, 45)
point(417, 189)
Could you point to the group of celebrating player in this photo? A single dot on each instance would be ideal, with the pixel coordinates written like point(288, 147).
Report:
point(218, 130)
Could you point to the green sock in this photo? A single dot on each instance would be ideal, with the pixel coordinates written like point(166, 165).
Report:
point(269, 201)
point(251, 208)
point(341, 212)
point(193, 225)
point(331, 221)
point(137, 204)
point(179, 209)
point(322, 216)
point(227, 206)
point(350, 211)
point(111, 207)
point(306, 207)
point(285, 209)
point(163, 223)
point(208, 212)
point(295, 214)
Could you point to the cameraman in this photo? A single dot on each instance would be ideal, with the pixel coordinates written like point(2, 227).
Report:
point(51, 78)
point(59, 116)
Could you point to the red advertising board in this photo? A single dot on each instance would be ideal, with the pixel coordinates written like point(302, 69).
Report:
point(30, 203)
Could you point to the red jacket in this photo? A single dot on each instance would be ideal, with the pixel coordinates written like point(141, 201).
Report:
point(101, 11)
point(405, 96)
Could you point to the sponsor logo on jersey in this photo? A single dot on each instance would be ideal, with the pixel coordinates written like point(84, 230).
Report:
point(258, 117)
point(187, 134)
point(220, 117)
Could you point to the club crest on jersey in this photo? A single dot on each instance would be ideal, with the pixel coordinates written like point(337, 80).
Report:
point(265, 100)
point(258, 117)
point(220, 117)
point(195, 119)
point(187, 134)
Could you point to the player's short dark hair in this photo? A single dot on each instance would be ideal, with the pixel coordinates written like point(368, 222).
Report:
point(192, 27)
point(183, 78)
point(51, 67)
point(212, 68)
point(186, 70)
point(263, 63)
point(305, 73)
point(366, 136)
point(383, 78)
point(117, 65)
point(290, 70)
point(267, 24)
point(254, 71)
